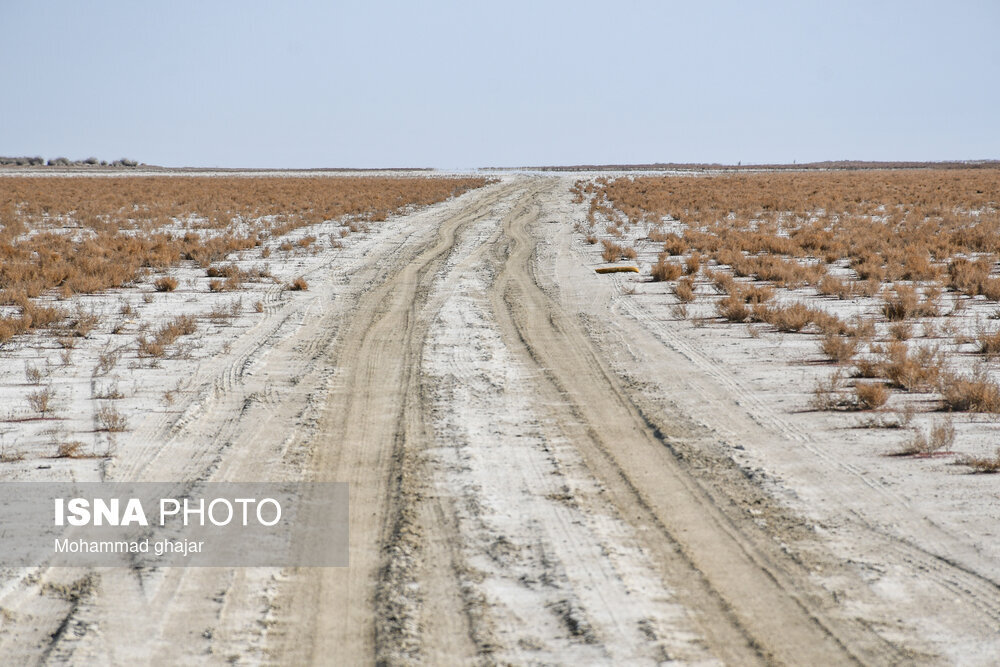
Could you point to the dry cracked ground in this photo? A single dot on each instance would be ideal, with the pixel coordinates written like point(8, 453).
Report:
point(540, 470)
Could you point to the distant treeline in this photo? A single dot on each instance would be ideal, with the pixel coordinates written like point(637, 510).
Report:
point(828, 165)
point(64, 162)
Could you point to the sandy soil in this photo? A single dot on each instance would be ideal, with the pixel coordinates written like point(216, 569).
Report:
point(545, 467)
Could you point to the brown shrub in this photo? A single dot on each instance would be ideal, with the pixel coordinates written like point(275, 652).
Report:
point(165, 284)
point(977, 393)
point(110, 419)
point(685, 290)
point(833, 286)
point(791, 318)
point(870, 395)
point(984, 464)
point(989, 342)
point(612, 251)
point(968, 276)
point(902, 304)
point(299, 285)
point(674, 245)
point(901, 331)
point(665, 270)
point(914, 370)
point(733, 309)
point(941, 436)
point(839, 348)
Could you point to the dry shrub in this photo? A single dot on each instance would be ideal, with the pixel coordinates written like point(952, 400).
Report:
point(685, 290)
point(299, 285)
point(902, 304)
point(224, 271)
point(674, 245)
point(790, 318)
point(911, 370)
point(989, 342)
point(990, 288)
point(33, 374)
point(83, 323)
point(70, 450)
point(931, 304)
point(870, 395)
point(110, 419)
point(107, 359)
point(977, 393)
point(941, 436)
point(230, 284)
point(755, 294)
point(862, 327)
point(722, 282)
point(165, 284)
point(840, 349)
point(984, 464)
point(733, 309)
point(629, 253)
point(901, 331)
point(166, 335)
point(692, 264)
point(828, 323)
point(833, 286)
point(41, 401)
point(968, 276)
point(612, 252)
point(826, 395)
point(665, 270)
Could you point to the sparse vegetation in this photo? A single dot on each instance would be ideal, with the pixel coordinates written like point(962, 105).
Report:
point(165, 284)
point(939, 438)
point(891, 241)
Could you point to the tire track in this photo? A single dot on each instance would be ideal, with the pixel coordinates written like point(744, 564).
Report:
point(746, 587)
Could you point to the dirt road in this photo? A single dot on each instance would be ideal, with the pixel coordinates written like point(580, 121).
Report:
point(515, 495)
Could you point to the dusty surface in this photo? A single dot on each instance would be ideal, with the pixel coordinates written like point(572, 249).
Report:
point(544, 468)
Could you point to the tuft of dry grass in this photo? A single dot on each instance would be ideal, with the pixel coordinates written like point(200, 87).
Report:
point(977, 393)
point(166, 335)
point(109, 419)
point(989, 342)
point(70, 450)
point(612, 252)
point(911, 370)
point(984, 464)
point(790, 318)
point(41, 401)
point(299, 285)
point(938, 439)
point(165, 284)
point(840, 349)
point(733, 309)
point(870, 395)
point(665, 270)
point(902, 304)
point(684, 290)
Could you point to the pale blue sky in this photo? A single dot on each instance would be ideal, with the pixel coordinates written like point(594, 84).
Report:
point(506, 83)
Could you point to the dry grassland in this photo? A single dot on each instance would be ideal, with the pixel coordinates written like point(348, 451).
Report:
point(913, 253)
point(66, 236)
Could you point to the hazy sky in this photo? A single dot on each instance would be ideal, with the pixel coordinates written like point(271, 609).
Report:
point(504, 83)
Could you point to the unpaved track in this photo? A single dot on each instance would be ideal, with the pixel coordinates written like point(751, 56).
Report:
point(512, 498)
point(413, 589)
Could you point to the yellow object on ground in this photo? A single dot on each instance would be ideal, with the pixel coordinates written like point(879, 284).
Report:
point(617, 269)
